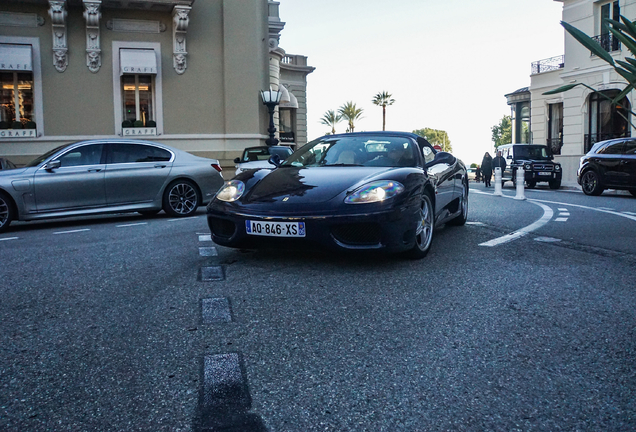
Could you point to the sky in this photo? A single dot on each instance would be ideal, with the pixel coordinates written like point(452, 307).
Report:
point(447, 63)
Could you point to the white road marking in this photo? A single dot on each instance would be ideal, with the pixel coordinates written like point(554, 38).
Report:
point(563, 209)
point(600, 209)
point(630, 213)
point(564, 214)
point(561, 219)
point(72, 231)
point(605, 208)
point(204, 238)
point(547, 215)
point(474, 223)
point(8, 238)
point(183, 219)
point(133, 224)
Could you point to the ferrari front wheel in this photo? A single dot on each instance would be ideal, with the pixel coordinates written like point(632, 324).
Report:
point(424, 229)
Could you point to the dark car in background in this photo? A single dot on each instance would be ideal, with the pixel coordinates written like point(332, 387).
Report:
point(257, 157)
point(536, 161)
point(609, 164)
point(108, 176)
point(6, 164)
point(367, 191)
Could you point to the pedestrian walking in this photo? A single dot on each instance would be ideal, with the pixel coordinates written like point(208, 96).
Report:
point(499, 162)
point(486, 168)
point(478, 174)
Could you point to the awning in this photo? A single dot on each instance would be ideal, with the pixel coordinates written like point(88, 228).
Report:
point(292, 103)
point(137, 61)
point(15, 57)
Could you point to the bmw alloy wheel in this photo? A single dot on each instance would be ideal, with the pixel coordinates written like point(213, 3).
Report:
point(6, 213)
point(181, 199)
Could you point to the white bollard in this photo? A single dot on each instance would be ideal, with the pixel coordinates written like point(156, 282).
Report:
point(498, 182)
point(521, 187)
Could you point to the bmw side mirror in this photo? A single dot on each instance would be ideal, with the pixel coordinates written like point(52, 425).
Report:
point(274, 160)
point(237, 160)
point(54, 164)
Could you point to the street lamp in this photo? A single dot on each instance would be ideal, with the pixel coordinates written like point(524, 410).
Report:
point(271, 98)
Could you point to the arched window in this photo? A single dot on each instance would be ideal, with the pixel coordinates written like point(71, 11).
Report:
point(606, 121)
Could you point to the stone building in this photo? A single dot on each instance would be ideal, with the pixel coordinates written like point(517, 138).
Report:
point(571, 122)
point(184, 73)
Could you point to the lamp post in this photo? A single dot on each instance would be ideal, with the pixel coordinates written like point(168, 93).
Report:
point(271, 98)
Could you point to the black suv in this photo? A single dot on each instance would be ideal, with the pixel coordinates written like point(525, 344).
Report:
point(610, 164)
point(537, 162)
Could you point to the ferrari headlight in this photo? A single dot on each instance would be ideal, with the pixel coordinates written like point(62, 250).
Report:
point(376, 191)
point(231, 191)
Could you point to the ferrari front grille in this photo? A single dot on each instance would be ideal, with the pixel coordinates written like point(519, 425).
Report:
point(357, 234)
point(222, 227)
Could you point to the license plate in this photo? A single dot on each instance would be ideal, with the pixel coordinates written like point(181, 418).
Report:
point(545, 173)
point(275, 229)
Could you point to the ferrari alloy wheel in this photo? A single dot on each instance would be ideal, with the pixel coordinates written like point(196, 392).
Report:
point(590, 183)
point(181, 198)
point(424, 230)
point(463, 206)
point(6, 212)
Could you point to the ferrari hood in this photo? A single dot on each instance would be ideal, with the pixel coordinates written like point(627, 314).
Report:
point(309, 185)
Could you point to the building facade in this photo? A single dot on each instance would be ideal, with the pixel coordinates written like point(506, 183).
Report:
point(571, 122)
point(184, 73)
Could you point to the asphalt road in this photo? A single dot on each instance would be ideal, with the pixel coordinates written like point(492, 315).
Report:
point(129, 323)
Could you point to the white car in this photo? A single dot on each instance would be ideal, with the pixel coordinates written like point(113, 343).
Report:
point(258, 157)
point(471, 172)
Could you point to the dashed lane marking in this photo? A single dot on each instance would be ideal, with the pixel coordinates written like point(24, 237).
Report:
point(216, 310)
point(72, 231)
point(8, 238)
point(562, 209)
point(561, 219)
point(600, 209)
point(204, 238)
point(183, 219)
point(474, 223)
point(208, 251)
point(547, 239)
point(209, 274)
point(132, 224)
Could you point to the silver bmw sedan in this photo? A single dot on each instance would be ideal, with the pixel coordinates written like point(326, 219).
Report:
point(108, 176)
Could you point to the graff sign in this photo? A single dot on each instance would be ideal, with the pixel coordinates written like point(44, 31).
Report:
point(18, 133)
point(139, 131)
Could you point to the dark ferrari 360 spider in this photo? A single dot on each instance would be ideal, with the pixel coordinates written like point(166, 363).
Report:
point(381, 191)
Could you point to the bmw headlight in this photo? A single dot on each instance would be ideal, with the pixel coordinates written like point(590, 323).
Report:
point(528, 167)
point(231, 191)
point(557, 167)
point(376, 191)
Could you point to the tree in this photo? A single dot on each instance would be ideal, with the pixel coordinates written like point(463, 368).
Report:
point(383, 99)
point(436, 137)
point(502, 133)
point(625, 32)
point(331, 119)
point(351, 113)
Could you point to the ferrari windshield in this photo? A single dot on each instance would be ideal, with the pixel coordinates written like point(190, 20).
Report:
point(368, 150)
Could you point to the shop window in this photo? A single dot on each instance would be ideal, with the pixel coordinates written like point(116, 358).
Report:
point(555, 128)
point(16, 100)
point(138, 101)
point(607, 121)
point(287, 121)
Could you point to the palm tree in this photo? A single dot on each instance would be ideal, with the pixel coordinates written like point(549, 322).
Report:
point(383, 99)
point(331, 118)
point(351, 113)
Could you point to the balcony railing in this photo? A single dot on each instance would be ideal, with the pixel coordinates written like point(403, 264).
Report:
point(547, 65)
point(591, 139)
point(608, 41)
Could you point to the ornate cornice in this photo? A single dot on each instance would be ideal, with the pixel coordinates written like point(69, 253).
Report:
point(180, 22)
point(92, 15)
point(58, 14)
